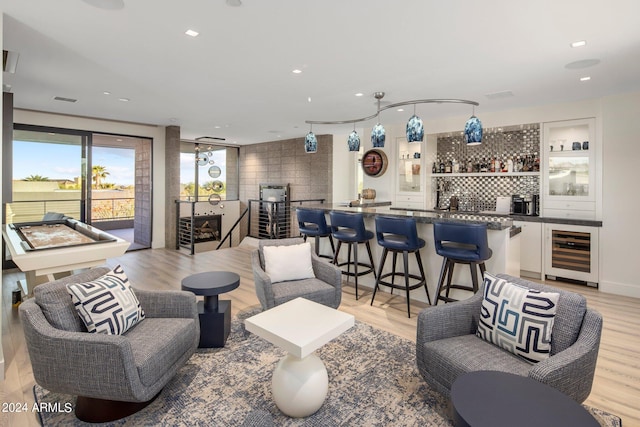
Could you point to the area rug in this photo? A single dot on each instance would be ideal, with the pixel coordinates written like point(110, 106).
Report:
point(373, 381)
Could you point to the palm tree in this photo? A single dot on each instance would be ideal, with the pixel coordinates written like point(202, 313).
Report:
point(98, 174)
point(36, 178)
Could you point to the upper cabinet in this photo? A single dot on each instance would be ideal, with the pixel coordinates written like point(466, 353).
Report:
point(569, 169)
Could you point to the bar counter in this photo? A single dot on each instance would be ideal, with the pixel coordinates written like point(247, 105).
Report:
point(504, 241)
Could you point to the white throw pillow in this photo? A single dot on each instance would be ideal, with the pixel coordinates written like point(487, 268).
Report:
point(291, 262)
point(107, 305)
point(517, 319)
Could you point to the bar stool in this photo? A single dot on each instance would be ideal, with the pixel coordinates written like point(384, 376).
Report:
point(399, 235)
point(460, 244)
point(312, 223)
point(349, 228)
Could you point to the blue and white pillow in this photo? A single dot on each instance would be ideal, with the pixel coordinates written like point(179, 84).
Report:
point(107, 305)
point(517, 319)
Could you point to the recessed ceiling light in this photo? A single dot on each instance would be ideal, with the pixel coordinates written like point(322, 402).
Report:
point(400, 110)
point(234, 3)
point(585, 79)
point(124, 99)
point(579, 43)
point(216, 127)
point(296, 71)
point(106, 92)
point(192, 33)
point(119, 139)
point(309, 99)
point(359, 94)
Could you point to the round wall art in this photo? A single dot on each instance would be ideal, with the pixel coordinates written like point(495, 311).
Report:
point(374, 162)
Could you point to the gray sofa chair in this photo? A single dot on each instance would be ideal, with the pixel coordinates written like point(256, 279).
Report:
point(325, 288)
point(112, 375)
point(446, 344)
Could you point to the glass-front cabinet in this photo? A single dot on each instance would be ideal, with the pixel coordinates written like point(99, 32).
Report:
point(569, 170)
point(410, 174)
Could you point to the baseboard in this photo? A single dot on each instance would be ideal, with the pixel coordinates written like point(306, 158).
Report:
point(623, 289)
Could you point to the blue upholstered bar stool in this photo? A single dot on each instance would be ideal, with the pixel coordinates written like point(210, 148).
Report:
point(399, 235)
point(312, 223)
point(349, 228)
point(460, 244)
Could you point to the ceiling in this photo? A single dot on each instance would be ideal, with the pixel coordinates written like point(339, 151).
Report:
point(235, 80)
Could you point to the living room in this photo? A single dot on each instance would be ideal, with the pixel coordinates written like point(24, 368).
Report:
point(614, 112)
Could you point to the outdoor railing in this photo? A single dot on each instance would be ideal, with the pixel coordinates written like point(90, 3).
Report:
point(122, 208)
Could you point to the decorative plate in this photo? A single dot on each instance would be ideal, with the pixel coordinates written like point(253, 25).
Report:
point(374, 162)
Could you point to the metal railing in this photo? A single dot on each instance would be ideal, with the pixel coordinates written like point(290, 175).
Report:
point(34, 210)
point(275, 220)
point(112, 209)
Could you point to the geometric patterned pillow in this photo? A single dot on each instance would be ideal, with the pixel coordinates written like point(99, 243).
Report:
point(107, 305)
point(517, 319)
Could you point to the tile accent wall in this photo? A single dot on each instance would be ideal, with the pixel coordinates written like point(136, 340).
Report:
point(285, 162)
point(480, 192)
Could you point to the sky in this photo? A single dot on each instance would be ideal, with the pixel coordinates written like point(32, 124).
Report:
point(63, 161)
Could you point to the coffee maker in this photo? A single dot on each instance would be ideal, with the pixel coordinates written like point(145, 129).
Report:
point(521, 205)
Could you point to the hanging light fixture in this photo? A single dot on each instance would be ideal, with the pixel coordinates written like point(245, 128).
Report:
point(310, 141)
point(378, 134)
point(415, 128)
point(354, 140)
point(473, 130)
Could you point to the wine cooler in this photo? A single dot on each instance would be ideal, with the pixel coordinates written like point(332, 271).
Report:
point(572, 253)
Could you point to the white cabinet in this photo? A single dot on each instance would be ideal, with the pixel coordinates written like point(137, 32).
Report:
point(569, 169)
point(410, 172)
point(530, 249)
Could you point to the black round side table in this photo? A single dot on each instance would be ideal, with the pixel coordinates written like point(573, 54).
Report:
point(496, 399)
point(215, 315)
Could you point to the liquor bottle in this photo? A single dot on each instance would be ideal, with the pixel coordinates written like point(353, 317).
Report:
point(509, 164)
point(492, 165)
point(503, 164)
point(447, 167)
point(433, 168)
point(536, 164)
point(455, 166)
point(525, 163)
point(470, 165)
point(441, 166)
point(483, 165)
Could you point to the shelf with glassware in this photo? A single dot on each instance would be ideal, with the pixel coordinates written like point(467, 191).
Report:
point(569, 169)
point(410, 183)
point(437, 175)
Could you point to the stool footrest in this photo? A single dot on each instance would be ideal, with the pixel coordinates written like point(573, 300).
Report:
point(402, 286)
point(360, 264)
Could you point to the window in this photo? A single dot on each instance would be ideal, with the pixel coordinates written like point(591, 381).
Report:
point(211, 169)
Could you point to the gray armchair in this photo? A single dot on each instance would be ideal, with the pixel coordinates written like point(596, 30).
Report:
point(325, 288)
point(446, 344)
point(112, 375)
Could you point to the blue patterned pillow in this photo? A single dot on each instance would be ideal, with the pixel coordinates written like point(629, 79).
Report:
point(517, 319)
point(107, 305)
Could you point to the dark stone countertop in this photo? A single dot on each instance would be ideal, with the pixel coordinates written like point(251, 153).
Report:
point(493, 222)
point(528, 218)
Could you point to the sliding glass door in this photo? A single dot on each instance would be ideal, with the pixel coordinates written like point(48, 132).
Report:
point(48, 174)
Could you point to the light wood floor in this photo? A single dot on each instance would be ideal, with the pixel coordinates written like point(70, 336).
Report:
point(616, 387)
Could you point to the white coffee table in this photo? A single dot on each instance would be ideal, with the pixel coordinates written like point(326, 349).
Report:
point(300, 382)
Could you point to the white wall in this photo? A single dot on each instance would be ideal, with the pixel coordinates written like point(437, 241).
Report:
point(344, 170)
point(157, 133)
point(620, 233)
point(1, 303)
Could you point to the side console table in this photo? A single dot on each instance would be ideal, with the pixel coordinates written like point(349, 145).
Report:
point(215, 315)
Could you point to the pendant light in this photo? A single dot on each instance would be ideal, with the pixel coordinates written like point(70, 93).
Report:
point(354, 140)
point(473, 130)
point(378, 133)
point(310, 142)
point(415, 128)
